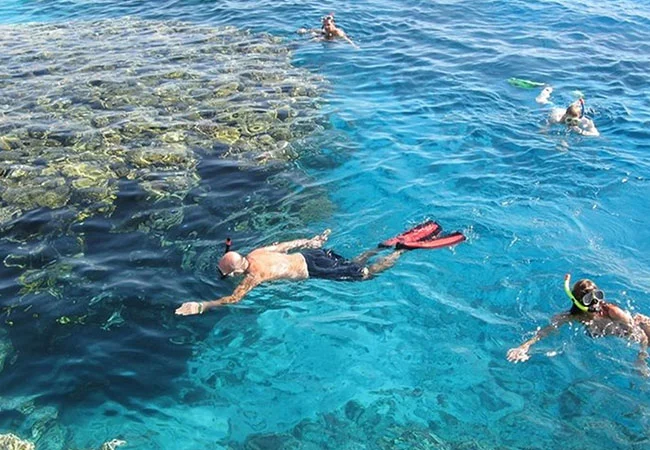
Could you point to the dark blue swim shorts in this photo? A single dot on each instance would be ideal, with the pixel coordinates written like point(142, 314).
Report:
point(322, 263)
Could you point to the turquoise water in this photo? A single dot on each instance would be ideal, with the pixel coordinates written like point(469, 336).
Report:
point(421, 124)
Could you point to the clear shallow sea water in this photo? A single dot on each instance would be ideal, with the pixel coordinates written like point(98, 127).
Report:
point(422, 124)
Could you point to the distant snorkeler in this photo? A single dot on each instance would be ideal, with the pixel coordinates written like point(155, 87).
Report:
point(328, 31)
point(573, 117)
point(276, 262)
point(599, 317)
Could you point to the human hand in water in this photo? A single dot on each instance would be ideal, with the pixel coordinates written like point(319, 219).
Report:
point(319, 241)
point(518, 354)
point(189, 309)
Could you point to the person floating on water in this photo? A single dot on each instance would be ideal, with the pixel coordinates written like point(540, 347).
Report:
point(600, 319)
point(328, 32)
point(275, 262)
point(573, 117)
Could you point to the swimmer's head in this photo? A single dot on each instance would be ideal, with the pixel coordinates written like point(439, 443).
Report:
point(328, 22)
point(232, 263)
point(575, 109)
point(585, 295)
point(573, 113)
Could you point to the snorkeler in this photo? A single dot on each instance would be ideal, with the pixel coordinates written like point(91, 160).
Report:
point(328, 32)
point(573, 117)
point(276, 263)
point(600, 319)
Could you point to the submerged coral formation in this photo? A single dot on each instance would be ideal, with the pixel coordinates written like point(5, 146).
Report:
point(5, 348)
point(12, 442)
point(88, 104)
point(357, 426)
point(92, 109)
point(112, 445)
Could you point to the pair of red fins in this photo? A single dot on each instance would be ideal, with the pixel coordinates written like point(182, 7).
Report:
point(424, 235)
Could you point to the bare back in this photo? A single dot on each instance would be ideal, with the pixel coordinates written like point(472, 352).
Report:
point(265, 265)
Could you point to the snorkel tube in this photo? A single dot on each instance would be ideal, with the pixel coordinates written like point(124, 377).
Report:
point(567, 290)
point(582, 107)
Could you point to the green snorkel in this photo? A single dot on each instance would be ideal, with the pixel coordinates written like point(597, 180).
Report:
point(567, 290)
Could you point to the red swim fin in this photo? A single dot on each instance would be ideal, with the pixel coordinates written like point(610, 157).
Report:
point(422, 231)
point(444, 241)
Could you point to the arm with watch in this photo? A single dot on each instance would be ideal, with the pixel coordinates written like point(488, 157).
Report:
point(191, 308)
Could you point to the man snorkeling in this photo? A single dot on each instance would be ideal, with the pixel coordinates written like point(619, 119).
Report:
point(600, 319)
point(275, 262)
point(328, 32)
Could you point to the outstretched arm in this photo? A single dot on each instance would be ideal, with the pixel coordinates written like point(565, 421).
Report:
point(307, 30)
point(191, 308)
point(520, 354)
point(315, 242)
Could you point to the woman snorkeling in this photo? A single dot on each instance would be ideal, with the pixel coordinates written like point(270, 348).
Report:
point(600, 318)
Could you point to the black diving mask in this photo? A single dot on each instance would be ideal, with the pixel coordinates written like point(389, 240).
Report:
point(593, 297)
point(572, 121)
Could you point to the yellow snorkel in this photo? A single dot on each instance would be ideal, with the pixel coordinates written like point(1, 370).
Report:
point(567, 290)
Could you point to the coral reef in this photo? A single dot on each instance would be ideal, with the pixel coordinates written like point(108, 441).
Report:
point(93, 103)
point(89, 107)
point(374, 426)
point(13, 442)
point(6, 349)
point(112, 445)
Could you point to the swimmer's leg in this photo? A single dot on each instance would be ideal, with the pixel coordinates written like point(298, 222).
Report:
point(384, 263)
point(363, 258)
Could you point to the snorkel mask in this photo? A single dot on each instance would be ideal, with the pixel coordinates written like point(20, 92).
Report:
point(589, 300)
point(572, 121)
point(327, 18)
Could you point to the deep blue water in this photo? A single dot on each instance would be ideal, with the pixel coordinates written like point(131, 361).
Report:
point(422, 124)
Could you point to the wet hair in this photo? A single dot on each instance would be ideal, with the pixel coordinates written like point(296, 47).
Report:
point(580, 289)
